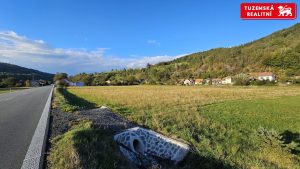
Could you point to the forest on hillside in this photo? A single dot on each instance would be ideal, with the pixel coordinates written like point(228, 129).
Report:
point(17, 76)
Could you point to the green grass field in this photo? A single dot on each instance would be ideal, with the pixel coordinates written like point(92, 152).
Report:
point(280, 114)
point(228, 127)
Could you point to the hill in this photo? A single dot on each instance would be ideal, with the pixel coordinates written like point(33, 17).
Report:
point(278, 52)
point(22, 73)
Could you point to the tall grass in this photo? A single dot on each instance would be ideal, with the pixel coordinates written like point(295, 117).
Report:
point(176, 111)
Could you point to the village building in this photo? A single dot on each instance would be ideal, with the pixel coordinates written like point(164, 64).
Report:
point(69, 83)
point(188, 82)
point(263, 76)
point(206, 81)
point(34, 83)
point(227, 80)
point(199, 81)
point(79, 84)
point(216, 81)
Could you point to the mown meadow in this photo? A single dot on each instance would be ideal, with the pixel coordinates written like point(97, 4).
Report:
point(227, 127)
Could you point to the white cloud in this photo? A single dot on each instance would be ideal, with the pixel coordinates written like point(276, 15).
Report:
point(142, 62)
point(153, 42)
point(38, 54)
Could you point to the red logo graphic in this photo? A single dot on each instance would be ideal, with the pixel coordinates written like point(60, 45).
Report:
point(268, 10)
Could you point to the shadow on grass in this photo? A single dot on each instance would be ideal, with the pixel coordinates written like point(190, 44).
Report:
point(195, 161)
point(83, 104)
point(288, 137)
point(75, 100)
point(96, 149)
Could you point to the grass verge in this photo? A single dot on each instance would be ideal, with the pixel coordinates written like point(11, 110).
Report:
point(85, 147)
point(69, 102)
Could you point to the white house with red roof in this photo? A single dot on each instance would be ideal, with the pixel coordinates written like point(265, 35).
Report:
point(263, 76)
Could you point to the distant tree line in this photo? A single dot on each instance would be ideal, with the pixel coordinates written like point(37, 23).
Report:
point(14, 82)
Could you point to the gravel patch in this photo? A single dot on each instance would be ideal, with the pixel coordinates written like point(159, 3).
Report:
point(60, 122)
point(105, 119)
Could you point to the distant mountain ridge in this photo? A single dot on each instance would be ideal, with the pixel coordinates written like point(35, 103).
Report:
point(22, 73)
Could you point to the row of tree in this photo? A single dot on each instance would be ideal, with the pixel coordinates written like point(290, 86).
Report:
point(13, 82)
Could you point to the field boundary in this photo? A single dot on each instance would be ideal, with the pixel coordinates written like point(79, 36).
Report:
point(35, 153)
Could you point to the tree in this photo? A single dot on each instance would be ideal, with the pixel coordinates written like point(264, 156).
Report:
point(88, 79)
point(241, 80)
point(9, 82)
point(131, 80)
point(148, 66)
point(27, 83)
point(60, 76)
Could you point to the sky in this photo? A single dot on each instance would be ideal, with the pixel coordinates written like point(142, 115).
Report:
point(76, 36)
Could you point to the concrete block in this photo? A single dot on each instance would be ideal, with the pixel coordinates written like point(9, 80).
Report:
point(147, 142)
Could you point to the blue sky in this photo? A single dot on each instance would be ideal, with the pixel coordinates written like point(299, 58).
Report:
point(97, 35)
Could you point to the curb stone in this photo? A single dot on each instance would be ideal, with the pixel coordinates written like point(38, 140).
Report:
point(35, 154)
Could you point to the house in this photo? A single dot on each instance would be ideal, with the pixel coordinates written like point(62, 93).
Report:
point(263, 76)
point(199, 81)
point(227, 80)
point(42, 82)
point(206, 81)
point(188, 82)
point(216, 81)
point(34, 83)
point(78, 84)
point(69, 83)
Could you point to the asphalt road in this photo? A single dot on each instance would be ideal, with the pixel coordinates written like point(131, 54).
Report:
point(19, 115)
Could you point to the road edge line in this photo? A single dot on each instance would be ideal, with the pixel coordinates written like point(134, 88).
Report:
point(35, 154)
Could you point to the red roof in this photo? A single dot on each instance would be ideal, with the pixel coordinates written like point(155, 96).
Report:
point(198, 80)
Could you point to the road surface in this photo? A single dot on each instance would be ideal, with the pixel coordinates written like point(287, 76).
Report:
point(20, 112)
